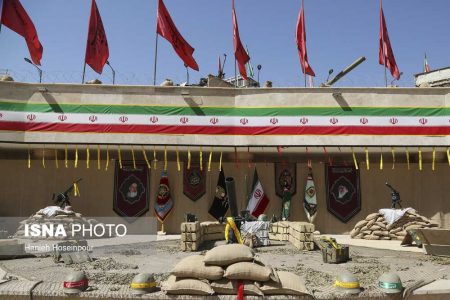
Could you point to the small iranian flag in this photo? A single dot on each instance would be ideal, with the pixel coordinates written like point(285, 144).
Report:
point(426, 66)
point(249, 64)
point(258, 201)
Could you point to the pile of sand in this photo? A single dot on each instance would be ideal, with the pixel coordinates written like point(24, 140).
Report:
point(375, 227)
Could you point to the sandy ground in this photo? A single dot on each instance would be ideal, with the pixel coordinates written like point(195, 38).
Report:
point(116, 265)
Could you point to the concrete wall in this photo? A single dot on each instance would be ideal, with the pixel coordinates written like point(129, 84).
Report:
point(196, 97)
point(23, 191)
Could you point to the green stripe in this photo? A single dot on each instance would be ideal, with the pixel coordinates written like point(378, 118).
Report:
point(227, 111)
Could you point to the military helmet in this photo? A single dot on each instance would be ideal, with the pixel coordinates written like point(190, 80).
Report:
point(76, 282)
point(143, 283)
point(262, 217)
point(347, 283)
point(390, 283)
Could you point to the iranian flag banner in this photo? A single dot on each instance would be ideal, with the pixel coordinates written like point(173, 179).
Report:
point(258, 200)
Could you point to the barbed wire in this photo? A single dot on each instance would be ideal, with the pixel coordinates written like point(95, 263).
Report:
point(134, 78)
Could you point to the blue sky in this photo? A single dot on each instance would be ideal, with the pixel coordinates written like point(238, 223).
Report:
point(338, 32)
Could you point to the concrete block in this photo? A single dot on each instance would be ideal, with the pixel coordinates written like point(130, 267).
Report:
point(191, 236)
point(190, 226)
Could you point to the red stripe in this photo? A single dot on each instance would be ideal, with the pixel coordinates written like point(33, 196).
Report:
point(226, 130)
point(75, 284)
point(261, 206)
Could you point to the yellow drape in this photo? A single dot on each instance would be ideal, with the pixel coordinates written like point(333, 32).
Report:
point(119, 153)
point(210, 159)
point(149, 165)
point(354, 159)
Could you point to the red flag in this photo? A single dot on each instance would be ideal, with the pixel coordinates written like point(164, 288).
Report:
point(386, 55)
point(258, 200)
point(239, 51)
point(166, 28)
point(301, 43)
point(14, 16)
point(97, 51)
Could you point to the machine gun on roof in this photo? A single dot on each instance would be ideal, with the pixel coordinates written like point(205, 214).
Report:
point(63, 199)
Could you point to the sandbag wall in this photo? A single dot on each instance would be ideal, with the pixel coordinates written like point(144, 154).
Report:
point(221, 269)
point(193, 234)
point(67, 220)
point(375, 227)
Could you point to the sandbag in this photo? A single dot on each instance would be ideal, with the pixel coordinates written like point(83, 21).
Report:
point(230, 287)
point(248, 271)
point(226, 255)
point(194, 267)
point(375, 227)
point(290, 284)
point(355, 232)
point(361, 223)
point(174, 286)
point(373, 216)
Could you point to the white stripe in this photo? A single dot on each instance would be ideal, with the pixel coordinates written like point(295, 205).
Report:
point(235, 121)
point(253, 202)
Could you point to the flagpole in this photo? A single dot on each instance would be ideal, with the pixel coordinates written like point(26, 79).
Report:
point(382, 44)
point(84, 72)
point(156, 57)
point(235, 73)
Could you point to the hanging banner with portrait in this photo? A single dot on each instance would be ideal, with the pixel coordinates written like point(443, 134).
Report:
point(343, 191)
point(285, 177)
point(194, 182)
point(131, 189)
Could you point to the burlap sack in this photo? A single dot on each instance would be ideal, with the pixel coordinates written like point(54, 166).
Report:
point(355, 232)
point(385, 238)
point(370, 223)
point(380, 219)
point(230, 287)
point(380, 233)
point(174, 286)
point(381, 224)
point(371, 237)
point(374, 227)
point(372, 216)
point(290, 284)
point(361, 223)
point(395, 230)
point(366, 232)
point(248, 271)
point(415, 226)
point(194, 267)
point(225, 255)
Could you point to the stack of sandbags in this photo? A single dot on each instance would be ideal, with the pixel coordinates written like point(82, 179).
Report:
point(191, 236)
point(301, 235)
point(68, 220)
point(375, 227)
point(213, 231)
point(220, 270)
point(257, 230)
point(279, 231)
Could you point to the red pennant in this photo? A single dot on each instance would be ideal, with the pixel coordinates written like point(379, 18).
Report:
point(239, 51)
point(166, 28)
point(301, 43)
point(14, 16)
point(236, 158)
point(97, 51)
point(386, 55)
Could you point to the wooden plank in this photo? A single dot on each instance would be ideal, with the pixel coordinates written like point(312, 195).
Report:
point(438, 250)
point(434, 236)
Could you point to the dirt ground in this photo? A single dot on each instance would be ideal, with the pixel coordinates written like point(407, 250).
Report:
point(117, 265)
